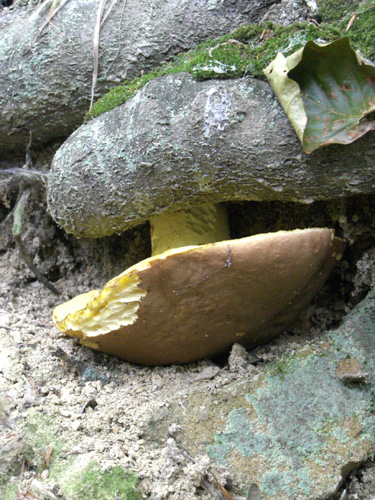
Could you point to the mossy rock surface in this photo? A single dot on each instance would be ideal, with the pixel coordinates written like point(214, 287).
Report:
point(46, 83)
point(250, 48)
point(246, 51)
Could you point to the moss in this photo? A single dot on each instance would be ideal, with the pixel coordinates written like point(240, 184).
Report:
point(76, 481)
point(257, 47)
point(336, 10)
point(111, 484)
point(10, 492)
point(280, 368)
point(221, 58)
point(41, 437)
point(41, 451)
point(361, 32)
point(117, 96)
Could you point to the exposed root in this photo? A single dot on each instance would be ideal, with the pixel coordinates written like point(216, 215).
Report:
point(26, 177)
point(17, 234)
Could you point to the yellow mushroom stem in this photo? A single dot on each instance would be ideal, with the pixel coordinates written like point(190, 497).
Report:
point(198, 225)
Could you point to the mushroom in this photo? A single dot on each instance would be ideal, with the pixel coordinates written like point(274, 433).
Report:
point(199, 292)
point(196, 301)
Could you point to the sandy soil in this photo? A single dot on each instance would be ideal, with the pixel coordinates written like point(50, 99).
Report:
point(95, 405)
point(69, 405)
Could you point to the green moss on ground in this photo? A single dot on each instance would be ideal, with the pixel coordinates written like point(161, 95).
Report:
point(9, 492)
point(88, 482)
point(111, 484)
point(41, 451)
point(79, 480)
point(41, 437)
point(255, 47)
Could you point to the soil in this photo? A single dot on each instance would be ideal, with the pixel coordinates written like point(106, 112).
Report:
point(96, 405)
point(68, 404)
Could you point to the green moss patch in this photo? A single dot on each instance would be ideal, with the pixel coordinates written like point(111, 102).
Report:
point(10, 492)
point(41, 450)
point(249, 49)
point(77, 480)
point(360, 15)
point(111, 484)
point(246, 51)
point(41, 437)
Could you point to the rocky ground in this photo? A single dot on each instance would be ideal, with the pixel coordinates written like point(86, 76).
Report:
point(68, 411)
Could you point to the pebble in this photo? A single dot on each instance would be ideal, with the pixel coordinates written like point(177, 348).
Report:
point(238, 358)
point(208, 372)
point(44, 475)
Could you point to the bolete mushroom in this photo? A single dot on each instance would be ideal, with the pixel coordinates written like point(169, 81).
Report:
point(194, 302)
point(199, 292)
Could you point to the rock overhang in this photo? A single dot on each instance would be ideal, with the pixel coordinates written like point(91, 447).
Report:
point(180, 142)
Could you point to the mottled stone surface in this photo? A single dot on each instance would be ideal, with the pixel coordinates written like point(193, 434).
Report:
point(180, 142)
point(298, 429)
point(46, 69)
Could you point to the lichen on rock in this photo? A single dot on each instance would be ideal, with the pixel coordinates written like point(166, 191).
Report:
point(298, 429)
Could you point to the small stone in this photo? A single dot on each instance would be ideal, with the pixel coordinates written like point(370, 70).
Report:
point(76, 425)
point(174, 429)
point(254, 493)
point(349, 370)
point(44, 475)
point(157, 380)
point(4, 319)
point(109, 388)
point(65, 413)
point(207, 373)
point(238, 358)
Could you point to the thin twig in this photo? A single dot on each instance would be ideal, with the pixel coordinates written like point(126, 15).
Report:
point(51, 14)
point(41, 7)
point(21, 172)
point(17, 231)
point(18, 219)
point(59, 7)
point(96, 48)
point(108, 69)
point(226, 493)
point(351, 22)
point(29, 160)
point(53, 8)
point(108, 12)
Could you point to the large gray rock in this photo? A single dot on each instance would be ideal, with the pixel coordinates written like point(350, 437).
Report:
point(46, 75)
point(180, 142)
point(297, 429)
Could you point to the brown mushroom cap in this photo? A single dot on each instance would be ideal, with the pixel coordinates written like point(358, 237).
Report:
point(195, 302)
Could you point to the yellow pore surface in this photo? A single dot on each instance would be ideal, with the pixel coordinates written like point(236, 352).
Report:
point(101, 311)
